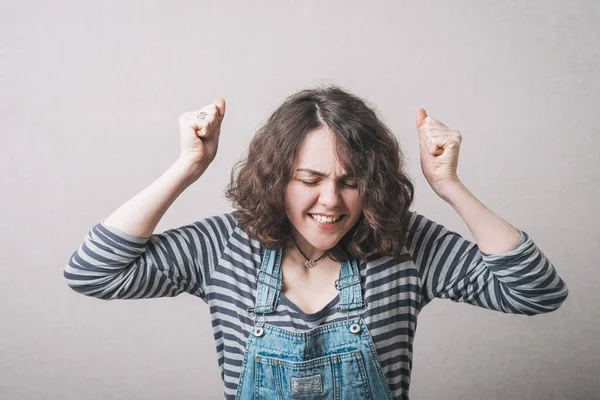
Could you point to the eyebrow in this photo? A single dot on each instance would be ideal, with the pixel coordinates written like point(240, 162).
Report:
point(319, 173)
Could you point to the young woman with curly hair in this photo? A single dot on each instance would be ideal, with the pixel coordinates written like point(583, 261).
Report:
point(316, 279)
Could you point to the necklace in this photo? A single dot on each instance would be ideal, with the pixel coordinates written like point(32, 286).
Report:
point(309, 263)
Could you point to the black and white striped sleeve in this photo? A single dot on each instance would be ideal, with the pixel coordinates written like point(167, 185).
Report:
point(521, 280)
point(111, 264)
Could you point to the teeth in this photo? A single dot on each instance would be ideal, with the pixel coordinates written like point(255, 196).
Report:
point(327, 220)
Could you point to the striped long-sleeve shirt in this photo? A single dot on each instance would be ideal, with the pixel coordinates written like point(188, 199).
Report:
point(215, 259)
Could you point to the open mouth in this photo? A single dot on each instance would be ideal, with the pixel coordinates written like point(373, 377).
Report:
point(328, 221)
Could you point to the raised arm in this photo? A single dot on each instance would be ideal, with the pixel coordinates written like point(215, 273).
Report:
point(111, 264)
point(121, 258)
point(520, 280)
point(512, 275)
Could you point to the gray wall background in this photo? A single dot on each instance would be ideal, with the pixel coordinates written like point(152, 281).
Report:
point(90, 98)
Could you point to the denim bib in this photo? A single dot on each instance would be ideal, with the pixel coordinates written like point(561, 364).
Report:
point(332, 361)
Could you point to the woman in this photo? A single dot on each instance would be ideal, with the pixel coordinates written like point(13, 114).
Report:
point(316, 280)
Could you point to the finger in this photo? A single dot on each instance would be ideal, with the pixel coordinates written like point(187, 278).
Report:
point(433, 122)
point(216, 112)
point(437, 137)
point(210, 116)
point(220, 105)
point(200, 126)
point(204, 121)
point(213, 126)
point(433, 146)
point(438, 131)
point(420, 117)
point(204, 112)
point(211, 109)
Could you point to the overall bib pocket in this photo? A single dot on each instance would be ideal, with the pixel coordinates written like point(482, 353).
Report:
point(336, 376)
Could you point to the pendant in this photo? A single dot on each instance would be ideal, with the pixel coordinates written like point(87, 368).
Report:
point(309, 263)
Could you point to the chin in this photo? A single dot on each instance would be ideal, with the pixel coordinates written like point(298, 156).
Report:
point(325, 243)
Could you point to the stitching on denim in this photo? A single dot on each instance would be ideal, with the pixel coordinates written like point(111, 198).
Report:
point(257, 376)
point(375, 358)
point(313, 332)
point(279, 382)
point(303, 365)
point(268, 293)
point(363, 372)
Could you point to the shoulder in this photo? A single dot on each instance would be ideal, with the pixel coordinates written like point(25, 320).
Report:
point(418, 224)
point(215, 226)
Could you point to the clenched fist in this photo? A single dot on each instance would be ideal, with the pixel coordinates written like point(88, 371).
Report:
point(200, 137)
point(440, 146)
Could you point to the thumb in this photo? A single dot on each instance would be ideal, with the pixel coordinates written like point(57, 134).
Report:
point(220, 103)
point(420, 117)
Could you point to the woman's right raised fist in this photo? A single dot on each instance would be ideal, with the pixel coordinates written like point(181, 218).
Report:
point(200, 137)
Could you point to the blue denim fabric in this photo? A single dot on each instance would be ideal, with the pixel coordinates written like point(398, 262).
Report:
point(332, 361)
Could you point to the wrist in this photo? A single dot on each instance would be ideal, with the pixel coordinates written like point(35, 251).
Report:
point(450, 190)
point(189, 170)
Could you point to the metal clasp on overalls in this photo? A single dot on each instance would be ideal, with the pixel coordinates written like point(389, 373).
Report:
point(355, 327)
point(258, 325)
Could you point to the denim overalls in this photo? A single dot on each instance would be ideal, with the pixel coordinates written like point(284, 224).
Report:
point(332, 361)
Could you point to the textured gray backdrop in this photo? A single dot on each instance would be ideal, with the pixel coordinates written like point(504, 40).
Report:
point(90, 97)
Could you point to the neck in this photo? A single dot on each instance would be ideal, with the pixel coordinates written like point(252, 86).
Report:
point(308, 250)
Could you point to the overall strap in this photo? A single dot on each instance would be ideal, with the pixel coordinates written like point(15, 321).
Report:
point(269, 282)
point(349, 286)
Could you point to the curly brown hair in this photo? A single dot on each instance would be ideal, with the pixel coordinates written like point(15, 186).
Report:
point(366, 148)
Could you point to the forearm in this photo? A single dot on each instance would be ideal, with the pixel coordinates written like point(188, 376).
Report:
point(492, 234)
point(140, 215)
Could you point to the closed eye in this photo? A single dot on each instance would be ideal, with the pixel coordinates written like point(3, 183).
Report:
point(307, 183)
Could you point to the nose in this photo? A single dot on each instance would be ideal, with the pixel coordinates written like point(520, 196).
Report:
point(329, 196)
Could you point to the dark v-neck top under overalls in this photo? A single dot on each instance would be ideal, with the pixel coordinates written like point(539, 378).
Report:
point(215, 260)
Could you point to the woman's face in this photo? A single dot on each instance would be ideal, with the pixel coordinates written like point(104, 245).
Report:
point(319, 186)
